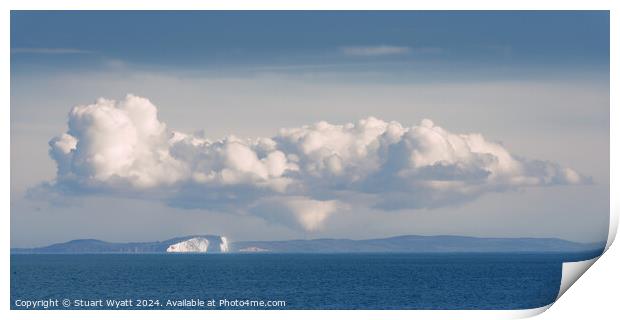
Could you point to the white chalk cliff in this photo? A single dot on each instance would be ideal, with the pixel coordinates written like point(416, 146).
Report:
point(223, 244)
point(192, 245)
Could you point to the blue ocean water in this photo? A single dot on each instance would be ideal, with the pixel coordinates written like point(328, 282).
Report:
point(303, 281)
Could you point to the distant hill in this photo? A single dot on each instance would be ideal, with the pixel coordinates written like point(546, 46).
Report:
point(412, 243)
point(98, 246)
point(409, 243)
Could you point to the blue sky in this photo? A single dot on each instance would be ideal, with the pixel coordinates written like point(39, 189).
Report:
point(534, 83)
point(484, 41)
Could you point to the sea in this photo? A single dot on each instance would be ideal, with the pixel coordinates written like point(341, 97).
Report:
point(287, 281)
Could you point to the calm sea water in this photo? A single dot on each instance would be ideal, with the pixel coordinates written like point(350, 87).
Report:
point(303, 281)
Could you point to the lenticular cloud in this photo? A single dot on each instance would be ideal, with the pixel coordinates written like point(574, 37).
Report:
point(298, 177)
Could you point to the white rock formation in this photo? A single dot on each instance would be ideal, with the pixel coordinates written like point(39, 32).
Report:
point(192, 245)
point(223, 244)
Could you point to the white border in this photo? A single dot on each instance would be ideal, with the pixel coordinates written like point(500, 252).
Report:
point(311, 5)
point(288, 5)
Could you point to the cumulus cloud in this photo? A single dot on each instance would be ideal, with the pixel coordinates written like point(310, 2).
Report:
point(299, 177)
point(116, 143)
point(297, 212)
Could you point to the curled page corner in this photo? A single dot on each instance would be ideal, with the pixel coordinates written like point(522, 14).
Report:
point(613, 229)
point(571, 271)
point(528, 313)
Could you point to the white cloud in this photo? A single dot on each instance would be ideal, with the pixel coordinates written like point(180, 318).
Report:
point(368, 51)
point(109, 142)
point(297, 212)
point(299, 177)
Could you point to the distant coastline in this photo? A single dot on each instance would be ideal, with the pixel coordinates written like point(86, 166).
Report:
point(398, 244)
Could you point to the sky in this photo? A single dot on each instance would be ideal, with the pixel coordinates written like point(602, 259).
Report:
point(142, 126)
